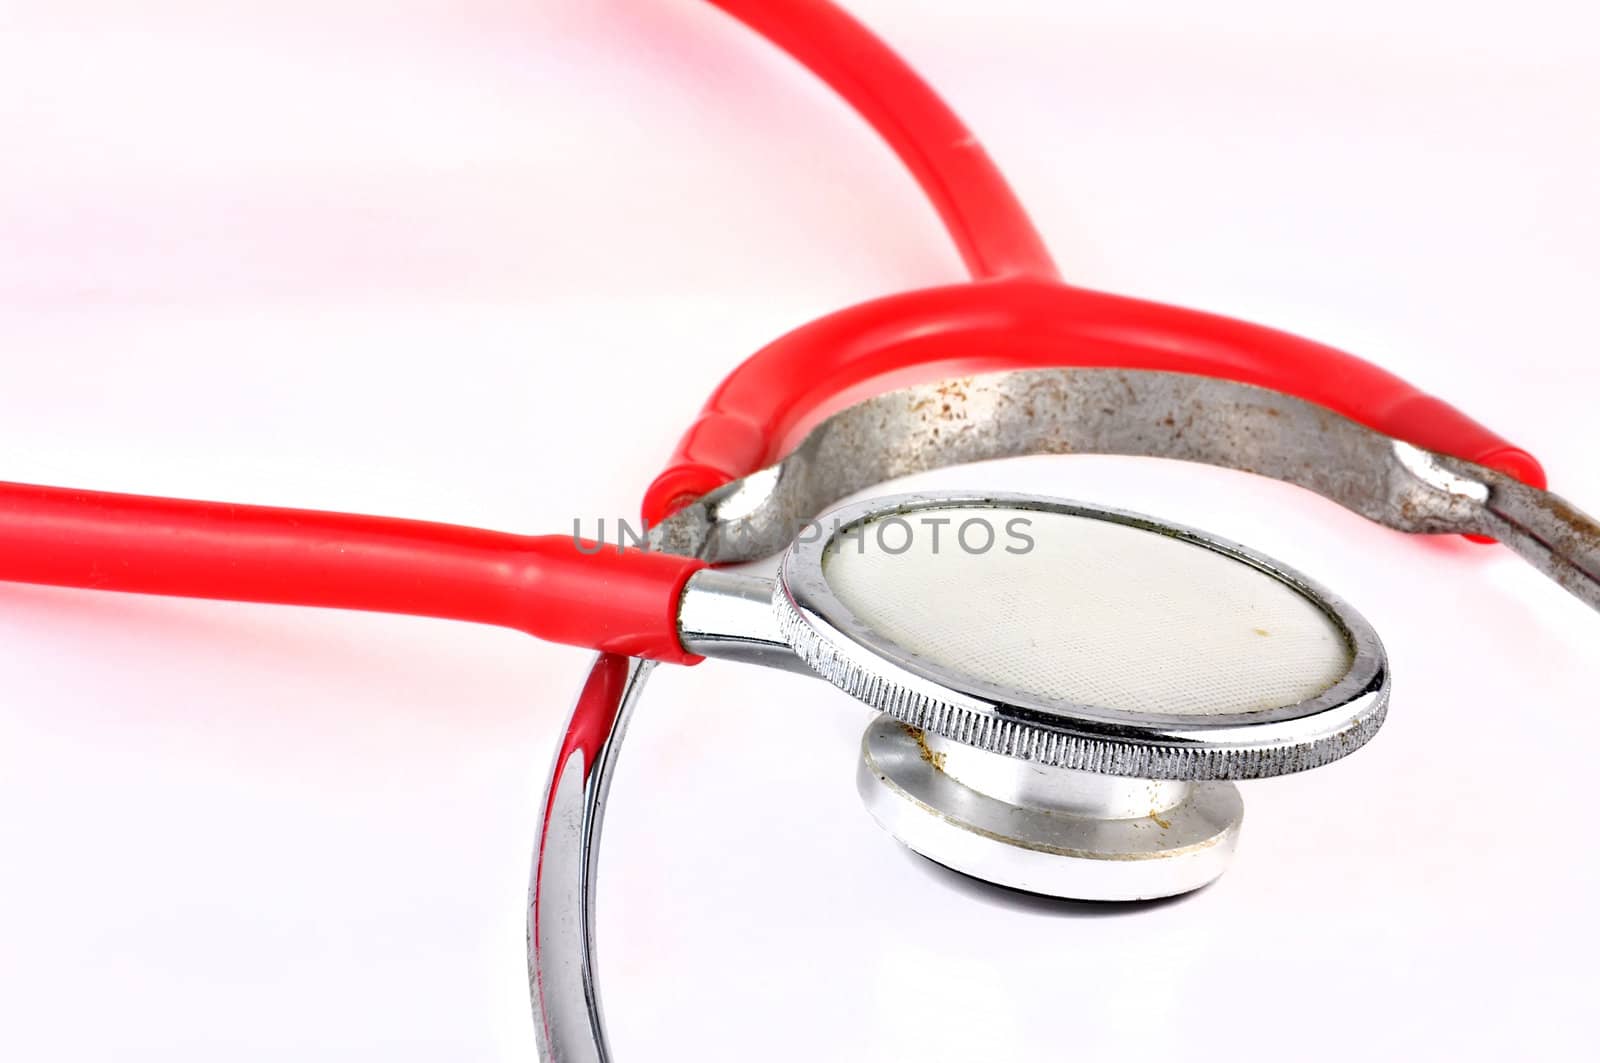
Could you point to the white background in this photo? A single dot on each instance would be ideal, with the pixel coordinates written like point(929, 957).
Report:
point(481, 261)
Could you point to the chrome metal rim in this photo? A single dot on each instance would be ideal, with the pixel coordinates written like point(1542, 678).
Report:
point(1078, 856)
point(843, 649)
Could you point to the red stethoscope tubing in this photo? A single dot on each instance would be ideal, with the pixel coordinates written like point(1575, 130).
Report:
point(1020, 317)
point(1016, 315)
point(979, 211)
point(556, 587)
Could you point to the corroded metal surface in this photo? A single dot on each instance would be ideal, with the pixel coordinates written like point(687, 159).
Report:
point(1139, 413)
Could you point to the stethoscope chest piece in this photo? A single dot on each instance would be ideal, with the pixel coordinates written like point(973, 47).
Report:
point(1065, 691)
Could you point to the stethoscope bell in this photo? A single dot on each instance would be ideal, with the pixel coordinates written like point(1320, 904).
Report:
point(1052, 831)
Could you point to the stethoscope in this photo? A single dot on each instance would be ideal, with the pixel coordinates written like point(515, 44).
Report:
point(1066, 718)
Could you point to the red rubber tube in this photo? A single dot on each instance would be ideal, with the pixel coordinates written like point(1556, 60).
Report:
point(606, 598)
point(1022, 321)
point(983, 217)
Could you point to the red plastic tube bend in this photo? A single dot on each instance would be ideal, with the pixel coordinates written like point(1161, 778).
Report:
point(758, 410)
point(1018, 317)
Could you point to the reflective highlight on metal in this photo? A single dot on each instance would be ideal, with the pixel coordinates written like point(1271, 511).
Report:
point(561, 901)
point(1051, 831)
point(729, 615)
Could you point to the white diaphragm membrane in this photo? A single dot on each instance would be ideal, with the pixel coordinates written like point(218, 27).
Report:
point(1068, 608)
